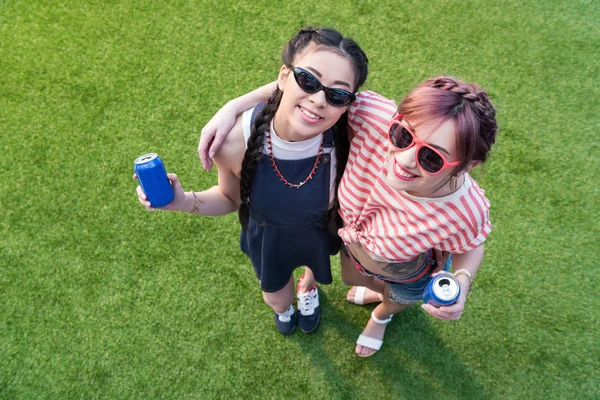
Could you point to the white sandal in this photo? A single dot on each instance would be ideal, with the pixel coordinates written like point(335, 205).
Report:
point(359, 295)
point(369, 342)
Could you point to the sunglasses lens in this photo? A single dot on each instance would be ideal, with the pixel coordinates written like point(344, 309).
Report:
point(400, 136)
point(429, 160)
point(307, 82)
point(339, 97)
point(310, 84)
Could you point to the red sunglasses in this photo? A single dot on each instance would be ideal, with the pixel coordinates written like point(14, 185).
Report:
point(429, 159)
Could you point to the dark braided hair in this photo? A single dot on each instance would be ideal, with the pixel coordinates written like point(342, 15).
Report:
point(342, 149)
point(469, 107)
point(320, 39)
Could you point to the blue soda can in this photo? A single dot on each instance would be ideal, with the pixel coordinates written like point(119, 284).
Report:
point(442, 290)
point(153, 179)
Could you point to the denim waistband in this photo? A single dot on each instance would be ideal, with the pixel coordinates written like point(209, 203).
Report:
point(425, 270)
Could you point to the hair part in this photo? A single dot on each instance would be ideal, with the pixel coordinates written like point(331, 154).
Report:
point(330, 40)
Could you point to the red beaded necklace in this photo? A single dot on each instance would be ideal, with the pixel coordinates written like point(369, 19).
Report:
point(280, 175)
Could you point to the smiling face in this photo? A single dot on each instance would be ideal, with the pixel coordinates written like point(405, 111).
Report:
point(404, 172)
point(302, 115)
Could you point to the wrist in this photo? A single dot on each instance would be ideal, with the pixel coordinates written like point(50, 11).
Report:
point(231, 105)
point(465, 287)
point(183, 203)
point(235, 106)
point(178, 204)
point(465, 279)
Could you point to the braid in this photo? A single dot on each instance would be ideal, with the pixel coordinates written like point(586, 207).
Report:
point(342, 149)
point(254, 152)
point(308, 30)
point(466, 91)
point(475, 110)
point(487, 118)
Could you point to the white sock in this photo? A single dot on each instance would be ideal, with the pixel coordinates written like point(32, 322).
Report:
point(286, 316)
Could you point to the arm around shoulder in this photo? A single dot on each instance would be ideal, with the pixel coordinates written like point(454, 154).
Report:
point(229, 163)
point(216, 130)
point(224, 197)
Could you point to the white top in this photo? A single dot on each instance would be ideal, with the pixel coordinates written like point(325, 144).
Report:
point(285, 150)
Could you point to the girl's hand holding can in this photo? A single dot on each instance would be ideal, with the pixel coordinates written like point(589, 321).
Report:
point(177, 190)
point(452, 311)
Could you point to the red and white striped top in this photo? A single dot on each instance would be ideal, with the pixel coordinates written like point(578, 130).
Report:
point(391, 224)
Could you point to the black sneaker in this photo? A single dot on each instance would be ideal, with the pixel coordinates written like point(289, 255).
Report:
point(309, 310)
point(286, 322)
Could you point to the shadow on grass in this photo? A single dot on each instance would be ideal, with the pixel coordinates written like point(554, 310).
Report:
point(414, 362)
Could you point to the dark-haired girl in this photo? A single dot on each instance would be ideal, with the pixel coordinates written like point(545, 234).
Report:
point(407, 191)
point(280, 168)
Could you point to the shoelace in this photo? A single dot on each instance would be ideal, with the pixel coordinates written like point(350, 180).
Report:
point(307, 301)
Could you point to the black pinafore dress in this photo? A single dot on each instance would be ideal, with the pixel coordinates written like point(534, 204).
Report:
point(287, 228)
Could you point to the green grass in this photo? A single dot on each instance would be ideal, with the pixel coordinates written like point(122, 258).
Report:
point(100, 299)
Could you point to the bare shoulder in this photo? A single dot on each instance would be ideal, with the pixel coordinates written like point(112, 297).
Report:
point(231, 153)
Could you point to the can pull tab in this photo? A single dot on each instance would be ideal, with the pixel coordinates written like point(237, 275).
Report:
point(445, 285)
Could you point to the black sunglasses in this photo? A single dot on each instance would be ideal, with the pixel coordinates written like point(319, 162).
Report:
point(310, 84)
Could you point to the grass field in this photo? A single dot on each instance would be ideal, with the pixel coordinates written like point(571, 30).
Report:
point(101, 299)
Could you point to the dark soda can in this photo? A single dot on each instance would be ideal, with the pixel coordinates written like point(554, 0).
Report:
point(153, 179)
point(442, 290)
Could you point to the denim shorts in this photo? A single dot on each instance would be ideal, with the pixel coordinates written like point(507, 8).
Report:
point(410, 293)
point(405, 290)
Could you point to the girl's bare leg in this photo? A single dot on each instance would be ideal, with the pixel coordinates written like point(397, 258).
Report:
point(351, 277)
point(281, 300)
point(375, 330)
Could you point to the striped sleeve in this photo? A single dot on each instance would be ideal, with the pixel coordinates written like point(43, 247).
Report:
point(472, 223)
